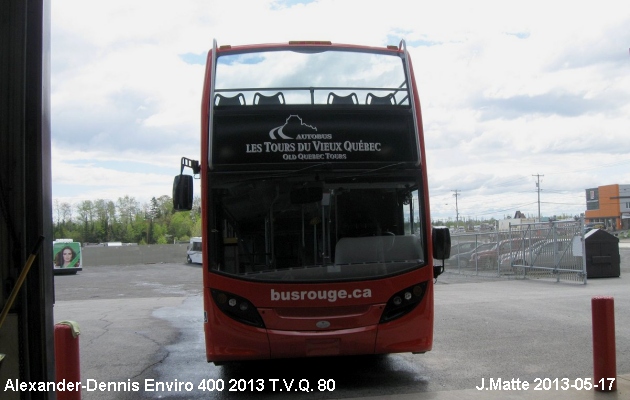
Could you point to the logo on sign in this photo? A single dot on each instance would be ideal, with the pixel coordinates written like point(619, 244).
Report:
point(294, 125)
point(297, 140)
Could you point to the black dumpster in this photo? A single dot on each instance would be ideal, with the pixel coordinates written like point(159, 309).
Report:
point(602, 254)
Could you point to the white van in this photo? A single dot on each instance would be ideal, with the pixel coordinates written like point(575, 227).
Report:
point(193, 253)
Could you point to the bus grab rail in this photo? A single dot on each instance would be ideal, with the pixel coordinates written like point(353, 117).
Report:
point(304, 88)
point(313, 89)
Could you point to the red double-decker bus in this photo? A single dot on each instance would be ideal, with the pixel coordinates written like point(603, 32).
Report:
point(316, 230)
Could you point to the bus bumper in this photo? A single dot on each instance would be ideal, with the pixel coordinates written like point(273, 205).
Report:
point(286, 344)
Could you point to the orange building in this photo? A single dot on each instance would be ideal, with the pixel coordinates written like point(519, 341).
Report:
point(609, 205)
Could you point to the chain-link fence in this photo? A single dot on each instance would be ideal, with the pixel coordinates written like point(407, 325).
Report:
point(552, 250)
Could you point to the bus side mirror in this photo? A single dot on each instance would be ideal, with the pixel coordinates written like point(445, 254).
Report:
point(183, 193)
point(441, 238)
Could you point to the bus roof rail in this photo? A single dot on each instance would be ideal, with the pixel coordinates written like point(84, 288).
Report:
point(318, 42)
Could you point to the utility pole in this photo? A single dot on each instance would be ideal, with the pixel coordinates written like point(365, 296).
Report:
point(538, 190)
point(456, 194)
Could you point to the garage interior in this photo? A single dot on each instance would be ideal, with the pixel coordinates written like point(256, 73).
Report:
point(26, 336)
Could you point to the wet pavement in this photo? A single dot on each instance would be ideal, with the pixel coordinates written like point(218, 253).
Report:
point(142, 337)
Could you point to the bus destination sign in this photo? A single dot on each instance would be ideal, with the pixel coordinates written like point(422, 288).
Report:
point(313, 137)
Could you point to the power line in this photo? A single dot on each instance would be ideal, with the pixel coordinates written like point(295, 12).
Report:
point(506, 209)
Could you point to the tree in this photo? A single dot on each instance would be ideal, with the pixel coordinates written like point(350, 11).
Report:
point(150, 211)
point(66, 213)
point(63, 213)
point(85, 209)
point(128, 207)
point(181, 226)
point(165, 207)
point(111, 218)
point(103, 220)
point(154, 209)
point(159, 233)
point(195, 217)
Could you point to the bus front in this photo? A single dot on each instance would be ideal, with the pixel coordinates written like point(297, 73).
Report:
point(314, 202)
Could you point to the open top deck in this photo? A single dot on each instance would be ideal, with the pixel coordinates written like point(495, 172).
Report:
point(310, 102)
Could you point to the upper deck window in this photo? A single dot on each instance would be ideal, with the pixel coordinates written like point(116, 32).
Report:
point(310, 77)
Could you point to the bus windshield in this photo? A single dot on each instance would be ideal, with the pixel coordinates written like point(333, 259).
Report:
point(318, 226)
point(313, 164)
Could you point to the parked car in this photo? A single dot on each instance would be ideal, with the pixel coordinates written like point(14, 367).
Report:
point(463, 256)
point(489, 257)
point(594, 225)
point(547, 253)
point(193, 253)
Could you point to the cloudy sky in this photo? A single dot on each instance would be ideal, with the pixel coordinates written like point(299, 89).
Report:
point(509, 90)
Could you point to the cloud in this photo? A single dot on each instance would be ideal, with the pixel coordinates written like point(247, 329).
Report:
point(507, 90)
point(563, 104)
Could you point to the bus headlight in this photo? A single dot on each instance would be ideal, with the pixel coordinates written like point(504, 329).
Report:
point(237, 308)
point(403, 302)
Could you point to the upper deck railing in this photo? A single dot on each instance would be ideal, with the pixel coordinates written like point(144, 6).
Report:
point(307, 75)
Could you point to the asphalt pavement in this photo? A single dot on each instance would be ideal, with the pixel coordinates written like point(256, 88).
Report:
point(142, 328)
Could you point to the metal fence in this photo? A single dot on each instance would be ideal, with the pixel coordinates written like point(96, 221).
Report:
point(551, 250)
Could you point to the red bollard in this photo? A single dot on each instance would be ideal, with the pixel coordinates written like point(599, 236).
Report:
point(68, 382)
point(604, 353)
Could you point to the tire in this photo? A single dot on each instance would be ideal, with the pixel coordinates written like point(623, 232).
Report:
point(188, 260)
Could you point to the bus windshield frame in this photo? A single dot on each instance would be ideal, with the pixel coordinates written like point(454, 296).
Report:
point(350, 154)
